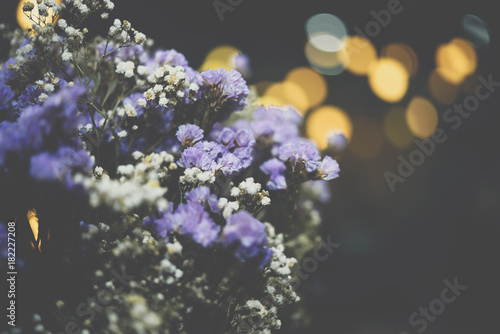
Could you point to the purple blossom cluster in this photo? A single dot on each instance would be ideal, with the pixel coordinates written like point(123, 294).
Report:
point(228, 158)
point(247, 233)
point(43, 138)
point(193, 219)
point(222, 91)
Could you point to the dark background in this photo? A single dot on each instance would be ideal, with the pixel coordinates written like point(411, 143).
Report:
point(396, 247)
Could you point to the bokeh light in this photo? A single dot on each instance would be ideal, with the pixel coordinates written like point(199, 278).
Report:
point(327, 63)
point(395, 129)
point(367, 139)
point(286, 93)
point(388, 79)
point(274, 95)
point(326, 32)
point(456, 60)
point(441, 90)
point(404, 54)
point(476, 30)
point(220, 57)
point(326, 120)
point(296, 96)
point(360, 54)
point(421, 117)
point(24, 22)
point(33, 221)
point(312, 83)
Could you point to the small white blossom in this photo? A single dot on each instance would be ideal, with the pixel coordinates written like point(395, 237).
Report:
point(142, 103)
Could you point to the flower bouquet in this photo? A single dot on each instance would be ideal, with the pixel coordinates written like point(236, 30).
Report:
point(167, 200)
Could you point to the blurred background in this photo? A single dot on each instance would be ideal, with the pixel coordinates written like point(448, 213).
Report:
point(383, 74)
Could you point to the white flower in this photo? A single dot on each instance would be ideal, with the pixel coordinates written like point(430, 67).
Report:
point(124, 36)
point(194, 87)
point(139, 37)
point(235, 192)
point(98, 171)
point(163, 102)
point(141, 69)
point(157, 88)
point(130, 110)
point(142, 103)
point(66, 56)
point(83, 9)
point(122, 134)
point(229, 208)
point(70, 31)
point(126, 68)
point(42, 97)
point(109, 4)
point(48, 88)
point(137, 155)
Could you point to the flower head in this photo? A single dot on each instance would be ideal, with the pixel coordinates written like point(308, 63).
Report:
point(189, 219)
point(328, 169)
point(276, 170)
point(188, 134)
point(247, 233)
point(225, 91)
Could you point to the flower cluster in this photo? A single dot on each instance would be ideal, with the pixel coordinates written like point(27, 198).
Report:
point(163, 171)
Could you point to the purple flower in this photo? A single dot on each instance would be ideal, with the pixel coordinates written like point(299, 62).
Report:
point(249, 234)
point(61, 165)
point(188, 134)
point(276, 170)
point(244, 137)
point(328, 169)
point(54, 122)
point(133, 52)
point(195, 157)
point(337, 142)
point(7, 74)
point(229, 164)
point(277, 124)
point(6, 95)
point(28, 97)
point(224, 92)
point(245, 154)
point(172, 58)
point(318, 190)
point(301, 153)
point(226, 137)
point(203, 196)
point(239, 141)
point(242, 65)
point(192, 220)
point(211, 148)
